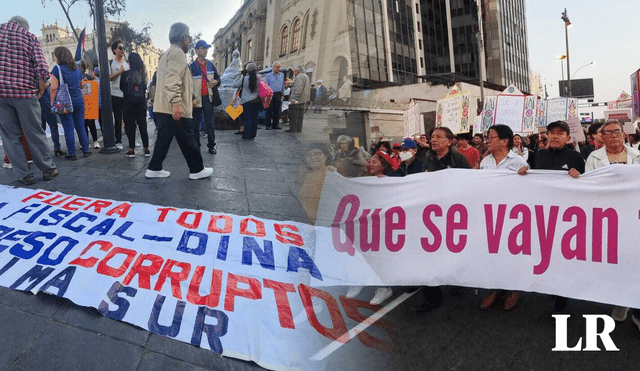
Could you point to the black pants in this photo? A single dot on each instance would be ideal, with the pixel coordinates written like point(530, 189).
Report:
point(209, 122)
point(273, 116)
point(181, 130)
point(136, 115)
point(91, 125)
point(117, 105)
point(296, 115)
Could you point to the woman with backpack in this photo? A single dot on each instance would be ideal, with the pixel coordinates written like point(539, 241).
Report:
point(250, 100)
point(134, 87)
point(66, 72)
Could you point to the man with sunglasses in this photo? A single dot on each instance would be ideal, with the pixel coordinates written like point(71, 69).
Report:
point(205, 91)
point(117, 66)
point(614, 150)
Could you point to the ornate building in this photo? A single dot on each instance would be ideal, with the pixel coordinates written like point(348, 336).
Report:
point(54, 36)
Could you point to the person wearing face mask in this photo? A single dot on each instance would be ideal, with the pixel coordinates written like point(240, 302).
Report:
point(408, 164)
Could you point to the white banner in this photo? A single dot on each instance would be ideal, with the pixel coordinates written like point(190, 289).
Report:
point(240, 286)
point(544, 232)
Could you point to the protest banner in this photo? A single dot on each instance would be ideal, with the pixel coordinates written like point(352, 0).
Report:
point(544, 232)
point(413, 120)
point(90, 96)
point(635, 94)
point(453, 111)
point(239, 286)
point(558, 109)
point(511, 108)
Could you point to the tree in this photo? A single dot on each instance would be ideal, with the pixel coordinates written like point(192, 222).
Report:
point(113, 8)
point(132, 39)
point(191, 55)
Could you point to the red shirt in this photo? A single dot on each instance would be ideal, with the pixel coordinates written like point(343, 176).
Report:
point(203, 68)
point(472, 155)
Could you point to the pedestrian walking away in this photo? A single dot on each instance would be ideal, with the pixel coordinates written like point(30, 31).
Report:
point(173, 108)
point(133, 84)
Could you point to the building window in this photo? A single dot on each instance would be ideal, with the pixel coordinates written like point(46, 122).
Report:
point(295, 39)
point(304, 32)
point(249, 51)
point(284, 37)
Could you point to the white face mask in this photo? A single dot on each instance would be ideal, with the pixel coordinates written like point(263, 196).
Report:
point(405, 155)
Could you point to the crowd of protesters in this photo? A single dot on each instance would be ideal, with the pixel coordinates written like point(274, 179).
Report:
point(500, 149)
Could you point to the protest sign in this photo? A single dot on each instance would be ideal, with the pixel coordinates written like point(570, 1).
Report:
point(544, 232)
point(90, 96)
point(635, 93)
point(577, 133)
point(510, 111)
point(489, 112)
point(511, 108)
point(453, 111)
point(623, 114)
point(239, 286)
point(413, 120)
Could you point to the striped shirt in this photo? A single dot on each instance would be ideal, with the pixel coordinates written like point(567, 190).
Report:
point(22, 62)
point(512, 162)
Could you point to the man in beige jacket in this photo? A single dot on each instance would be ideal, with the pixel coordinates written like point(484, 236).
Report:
point(173, 108)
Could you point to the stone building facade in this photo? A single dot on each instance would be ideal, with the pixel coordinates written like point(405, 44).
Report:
point(54, 35)
point(244, 32)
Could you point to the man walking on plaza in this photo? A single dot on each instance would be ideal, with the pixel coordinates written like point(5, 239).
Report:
point(299, 98)
point(275, 80)
point(23, 78)
point(205, 91)
point(321, 92)
point(117, 66)
point(173, 108)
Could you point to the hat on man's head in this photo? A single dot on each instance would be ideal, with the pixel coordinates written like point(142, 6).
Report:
point(559, 124)
point(318, 81)
point(202, 44)
point(408, 143)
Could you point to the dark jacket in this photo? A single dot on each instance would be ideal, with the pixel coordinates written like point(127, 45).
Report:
point(453, 159)
point(413, 168)
point(559, 159)
point(196, 72)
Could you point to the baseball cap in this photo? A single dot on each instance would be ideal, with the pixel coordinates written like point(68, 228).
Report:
point(559, 124)
point(202, 44)
point(408, 143)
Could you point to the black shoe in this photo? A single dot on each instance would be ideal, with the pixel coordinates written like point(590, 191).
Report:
point(239, 132)
point(213, 151)
point(28, 180)
point(86, 154)
point(267, 128)
point(50, 174)
point(70, 158)
point(59, 152)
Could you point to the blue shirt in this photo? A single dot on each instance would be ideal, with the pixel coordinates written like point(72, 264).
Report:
point(275, 82)
point(72, 79)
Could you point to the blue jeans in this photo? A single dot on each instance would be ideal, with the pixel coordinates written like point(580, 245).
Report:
point(49, 118)
point(205, 112)
point(71, 121)
point(250, 118)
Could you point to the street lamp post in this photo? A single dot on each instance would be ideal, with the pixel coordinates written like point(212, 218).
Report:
point(567, 23)
point(588, 64)
point(560, 58)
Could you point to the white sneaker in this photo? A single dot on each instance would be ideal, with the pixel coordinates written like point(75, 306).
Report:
point(354, 291)
point(157, 174)
point(7, 166)
point(137, 144)
point(119, 146)
point(619, 314)
point(205, 173)
point(96, 145)
point(30, 162)
point(381, 295)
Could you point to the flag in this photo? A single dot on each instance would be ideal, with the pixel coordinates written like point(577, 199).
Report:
point(80, 47)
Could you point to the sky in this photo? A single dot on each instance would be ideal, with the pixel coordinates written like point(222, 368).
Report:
point(603, 31)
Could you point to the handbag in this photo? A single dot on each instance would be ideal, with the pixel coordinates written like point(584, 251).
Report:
point(265, 93)
point(234, 109)
point(62, 104)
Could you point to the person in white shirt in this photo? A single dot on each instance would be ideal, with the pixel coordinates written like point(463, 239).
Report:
point(501, 157)
point(117, 66)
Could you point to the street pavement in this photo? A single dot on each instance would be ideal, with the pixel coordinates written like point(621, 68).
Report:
point(260, 178)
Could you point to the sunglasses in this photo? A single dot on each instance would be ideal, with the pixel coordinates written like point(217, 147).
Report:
point(120, 48)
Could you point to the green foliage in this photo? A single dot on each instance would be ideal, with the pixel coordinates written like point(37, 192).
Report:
point(132, 39)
